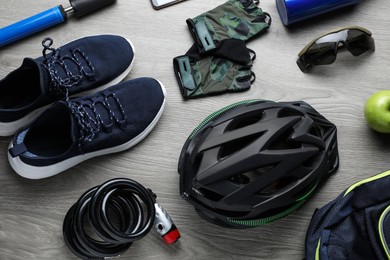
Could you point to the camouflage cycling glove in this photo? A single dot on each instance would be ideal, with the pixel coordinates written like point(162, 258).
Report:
point(235, 19)
point(224, 71)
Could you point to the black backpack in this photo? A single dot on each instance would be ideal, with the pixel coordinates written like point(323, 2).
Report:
point(356, 225)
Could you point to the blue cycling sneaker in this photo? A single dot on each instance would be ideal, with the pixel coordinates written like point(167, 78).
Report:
point(72, 131)
point(81, 67)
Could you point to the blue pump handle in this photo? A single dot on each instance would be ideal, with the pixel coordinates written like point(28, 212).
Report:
point(32, 25)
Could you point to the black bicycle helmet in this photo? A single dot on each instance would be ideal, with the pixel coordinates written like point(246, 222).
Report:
point(256, 161)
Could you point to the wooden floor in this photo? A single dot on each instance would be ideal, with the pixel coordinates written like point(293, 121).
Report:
point(32, 212)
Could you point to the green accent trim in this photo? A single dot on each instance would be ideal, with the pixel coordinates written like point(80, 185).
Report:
point(373, 178)
point(262, 221)
point(318, 250)
point(381, 235)
point(304, 197)
point(217, 113)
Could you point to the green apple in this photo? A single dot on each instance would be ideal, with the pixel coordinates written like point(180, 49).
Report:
point(377, 111)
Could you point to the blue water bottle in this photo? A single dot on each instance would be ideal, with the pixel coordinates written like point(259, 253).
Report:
point(292, 11)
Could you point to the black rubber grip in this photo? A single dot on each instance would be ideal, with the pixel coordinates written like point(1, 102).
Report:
point(83, 7)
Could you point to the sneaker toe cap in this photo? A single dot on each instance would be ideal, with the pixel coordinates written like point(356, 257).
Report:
point(111, 55)
point(143, 99)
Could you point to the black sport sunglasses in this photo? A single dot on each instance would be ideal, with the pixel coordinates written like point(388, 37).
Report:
point(323, 50)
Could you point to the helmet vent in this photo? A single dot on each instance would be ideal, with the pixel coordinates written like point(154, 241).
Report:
point(249, 119)
point(240, 179)
point(238, 144)
point(209, 194)
point(251, 176)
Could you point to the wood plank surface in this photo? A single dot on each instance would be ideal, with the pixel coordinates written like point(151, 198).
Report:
point(32, 212)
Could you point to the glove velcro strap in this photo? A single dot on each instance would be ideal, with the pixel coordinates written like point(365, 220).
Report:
point(202, 34)
point(184, 74)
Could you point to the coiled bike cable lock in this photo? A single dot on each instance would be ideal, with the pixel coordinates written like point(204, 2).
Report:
point(118, 212)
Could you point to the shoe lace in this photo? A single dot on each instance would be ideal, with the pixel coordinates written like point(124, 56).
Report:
point(90, 121)
point(56, 63)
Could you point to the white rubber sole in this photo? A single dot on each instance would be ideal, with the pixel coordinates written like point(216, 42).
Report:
point(36, 172)
point(9, 128)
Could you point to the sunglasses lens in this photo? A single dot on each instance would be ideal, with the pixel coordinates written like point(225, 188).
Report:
point(319, 54)
point(359, 42)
